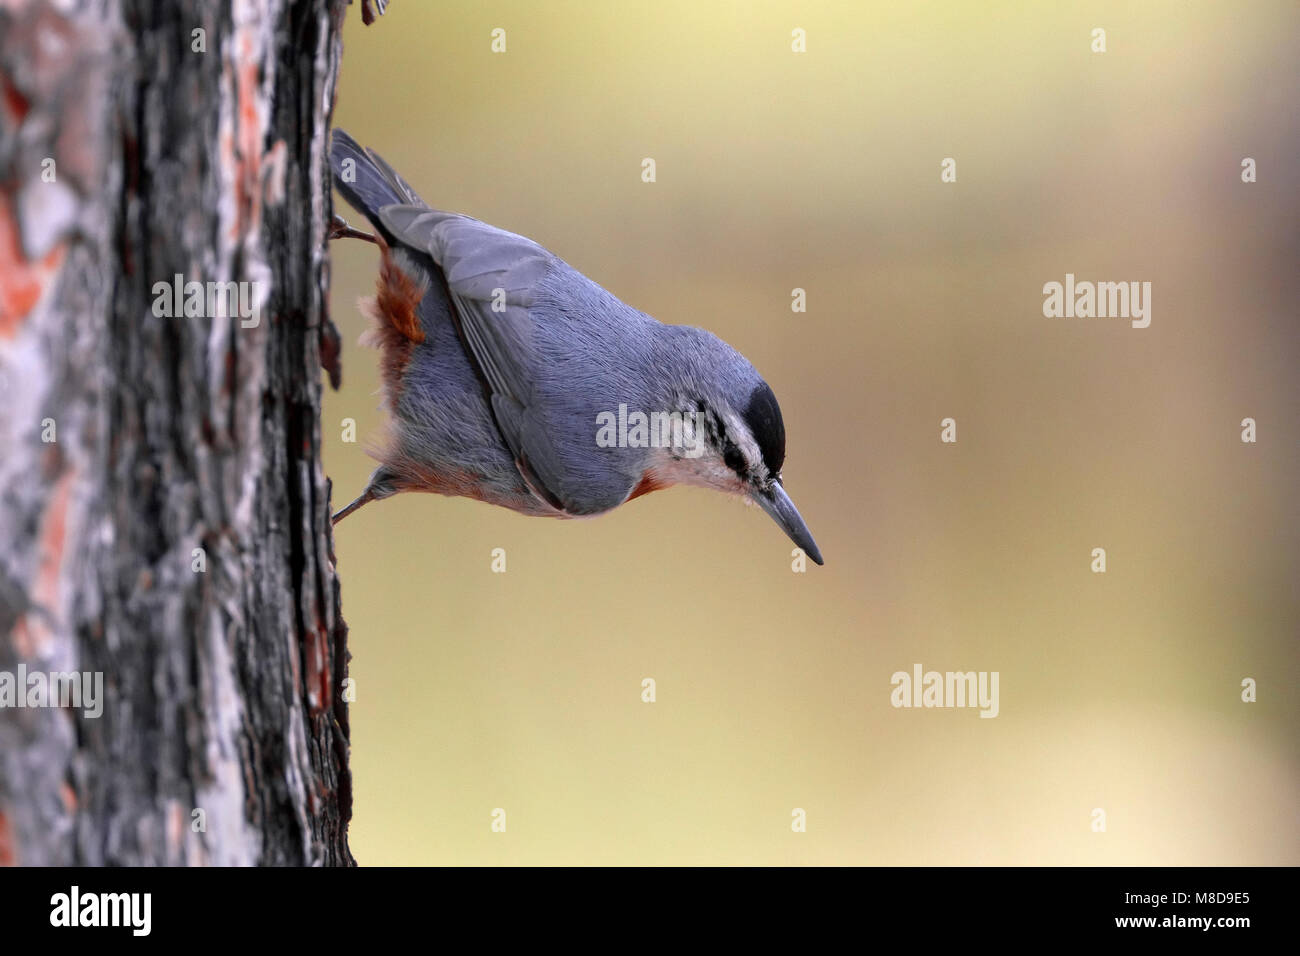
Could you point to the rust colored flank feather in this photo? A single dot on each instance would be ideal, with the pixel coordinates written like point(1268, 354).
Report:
point(648, 483)
point(394, 312)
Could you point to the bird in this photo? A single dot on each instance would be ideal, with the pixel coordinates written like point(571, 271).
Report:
point(511, 378)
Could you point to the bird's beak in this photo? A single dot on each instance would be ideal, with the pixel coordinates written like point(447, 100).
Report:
point(777, 503)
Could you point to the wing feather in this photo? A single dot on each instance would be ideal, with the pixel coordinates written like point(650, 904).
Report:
point(493, 276)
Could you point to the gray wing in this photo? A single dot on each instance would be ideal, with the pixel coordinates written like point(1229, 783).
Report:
point(492, 275)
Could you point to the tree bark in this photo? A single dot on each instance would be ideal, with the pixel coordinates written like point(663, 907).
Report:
point(164, 517)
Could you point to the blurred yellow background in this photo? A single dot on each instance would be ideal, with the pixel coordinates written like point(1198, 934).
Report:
point(821, 170)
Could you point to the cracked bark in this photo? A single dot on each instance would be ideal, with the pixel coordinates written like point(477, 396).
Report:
point(164, 518)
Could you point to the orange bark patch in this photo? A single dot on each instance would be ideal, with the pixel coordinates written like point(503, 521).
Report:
point(15, 103)
point(248, 136)
point(21, 282)
point(30, 631)
point(54, 532)
point(8, 854)
point(317, 653)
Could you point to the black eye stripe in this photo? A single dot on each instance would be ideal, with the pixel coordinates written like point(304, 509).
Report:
point(716, 431)
point(733, 459)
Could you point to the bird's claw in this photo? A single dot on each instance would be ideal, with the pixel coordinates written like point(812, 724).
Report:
point(339, 229)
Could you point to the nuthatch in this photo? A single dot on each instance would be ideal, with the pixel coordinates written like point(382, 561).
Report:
point(504, 371)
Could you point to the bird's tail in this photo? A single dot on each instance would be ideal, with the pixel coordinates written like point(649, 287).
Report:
point(367, 182)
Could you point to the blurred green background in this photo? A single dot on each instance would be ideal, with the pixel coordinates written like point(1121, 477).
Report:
point(821, 171)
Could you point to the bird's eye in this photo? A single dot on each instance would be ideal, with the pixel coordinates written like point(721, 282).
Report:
point(734, 460)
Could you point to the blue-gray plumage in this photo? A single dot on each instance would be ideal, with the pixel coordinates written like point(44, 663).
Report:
point(501, 362)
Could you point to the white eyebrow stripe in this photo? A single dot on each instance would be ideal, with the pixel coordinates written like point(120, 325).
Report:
point(739, 434)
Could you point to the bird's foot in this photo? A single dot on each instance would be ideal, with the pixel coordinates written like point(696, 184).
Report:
point(370, 9)
point(339, 229)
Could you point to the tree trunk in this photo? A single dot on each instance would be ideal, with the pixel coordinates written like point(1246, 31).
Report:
point(164, 518)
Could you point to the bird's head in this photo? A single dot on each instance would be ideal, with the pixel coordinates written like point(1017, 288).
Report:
point(733, 436)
